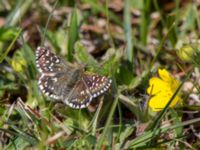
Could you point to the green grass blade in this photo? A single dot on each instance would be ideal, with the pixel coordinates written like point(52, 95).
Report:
point(128, 31)
point(108, 124)
point(164, 39)
point(98, 7)
point(18, 132)
point(72, 34)
point(18, 12)
point(147, 136)
point(145, 21)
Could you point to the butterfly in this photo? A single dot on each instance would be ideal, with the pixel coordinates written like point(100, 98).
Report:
point(67, 82)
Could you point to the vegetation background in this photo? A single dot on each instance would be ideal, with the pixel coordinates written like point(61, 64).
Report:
point(125, 40)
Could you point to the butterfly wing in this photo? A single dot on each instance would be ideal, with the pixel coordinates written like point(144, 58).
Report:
point(48, 62)
point(54, 86)
point(96, 84)
point(87, 88)
point(62, 81)
point(79, 97)
point(57, 76)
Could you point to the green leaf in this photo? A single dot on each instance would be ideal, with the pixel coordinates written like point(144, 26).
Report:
point(4, 54)
point(179, 131)
point(91, 139)
point(8, 33)
point(111, 61)
point(126, 133)
point(18, 143)
point(82, 56)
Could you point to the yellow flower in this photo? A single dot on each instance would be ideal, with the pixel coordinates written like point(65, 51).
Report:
point(162, 89)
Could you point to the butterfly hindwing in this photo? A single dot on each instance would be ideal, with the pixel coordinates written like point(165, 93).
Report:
point(80, 96)
point(96, 84)
point(49, 87)
point(87, 88)
point(55, 86)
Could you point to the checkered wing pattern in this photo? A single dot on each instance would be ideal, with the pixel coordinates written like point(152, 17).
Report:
point(62, 81)
point(55, 79)
point(54, 86)
point(96, 84)
point(48, 62)
point(88, 87)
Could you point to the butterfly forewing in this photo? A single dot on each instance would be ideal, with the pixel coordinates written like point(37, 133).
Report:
point(48, 62)
point(66, 82)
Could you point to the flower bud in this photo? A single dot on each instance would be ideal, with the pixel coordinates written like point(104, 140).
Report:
point(18, 62)
point(185, 53)
point(190, 53)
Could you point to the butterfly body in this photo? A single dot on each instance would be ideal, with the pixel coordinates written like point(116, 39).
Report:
point(66, 82)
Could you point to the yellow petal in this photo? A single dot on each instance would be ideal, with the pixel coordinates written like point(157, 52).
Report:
point(156, 85)
point(174, 84)
point(175, 101)
point(162, 89)
point(159, 101)
point(164, 75)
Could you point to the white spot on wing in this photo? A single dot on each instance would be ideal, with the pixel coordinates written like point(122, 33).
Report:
point(55, 79)
point(45, 83)
point(102, 79)
point(87, 91)
point(41, 87)
point(51, 65)
point(57, 60)
point(47, 93)
point(94, 95)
